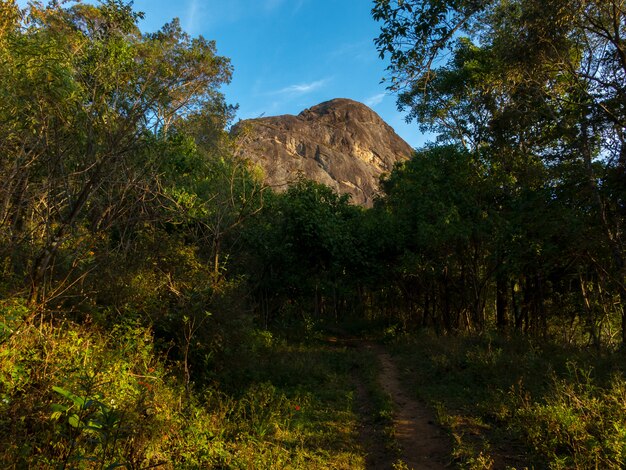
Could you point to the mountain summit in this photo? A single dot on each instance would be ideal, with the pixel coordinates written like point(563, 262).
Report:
point(341, 143)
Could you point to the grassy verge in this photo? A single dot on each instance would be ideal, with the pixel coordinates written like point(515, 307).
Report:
point(381, 402)
point(76, 396)
point(376, 413)
point(511, 403)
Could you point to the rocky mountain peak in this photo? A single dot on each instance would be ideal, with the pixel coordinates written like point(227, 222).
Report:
point(341, 143)
point(341, 110)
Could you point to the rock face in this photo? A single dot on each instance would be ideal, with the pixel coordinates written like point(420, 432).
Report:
point(341, 143)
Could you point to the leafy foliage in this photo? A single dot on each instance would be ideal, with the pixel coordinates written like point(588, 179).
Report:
point(305, 249)
point(526, 89)
point(142, 265)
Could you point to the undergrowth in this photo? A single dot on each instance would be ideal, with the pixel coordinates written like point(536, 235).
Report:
point(75, 395)
point(512, 403)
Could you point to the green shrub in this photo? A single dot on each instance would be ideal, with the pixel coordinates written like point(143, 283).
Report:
point(80, 396)
point(578, 424)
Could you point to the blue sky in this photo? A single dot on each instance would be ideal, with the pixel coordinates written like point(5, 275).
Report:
point(289, 55)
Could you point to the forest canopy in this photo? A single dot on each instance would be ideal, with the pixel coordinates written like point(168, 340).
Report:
point(533, 92)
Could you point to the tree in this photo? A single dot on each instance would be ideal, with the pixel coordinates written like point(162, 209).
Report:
point(440, 205)
point(304, 253)
point(85, 98)
point(533, 86)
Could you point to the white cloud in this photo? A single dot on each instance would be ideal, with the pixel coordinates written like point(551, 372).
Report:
point(362, 51)
point(301, 88)
point(191, 16)
point(375, 99)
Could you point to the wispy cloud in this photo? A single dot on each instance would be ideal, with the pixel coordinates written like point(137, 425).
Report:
point(301, 88)
point(191, 16)
point(362, 51)
point(375, 99)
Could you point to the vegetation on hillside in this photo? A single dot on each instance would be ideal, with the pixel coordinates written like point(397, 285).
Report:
point(160, 307)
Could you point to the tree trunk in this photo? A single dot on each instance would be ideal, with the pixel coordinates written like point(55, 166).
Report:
point(517, 308)
point(501, 303)
point(613, 236)
point(623, 326)
point(216, 260)
point(43, 261)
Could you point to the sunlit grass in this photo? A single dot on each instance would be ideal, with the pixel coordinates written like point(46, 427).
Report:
point(74, 396)
point(515, 403)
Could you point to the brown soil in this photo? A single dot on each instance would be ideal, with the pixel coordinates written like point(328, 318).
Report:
point(423, 444)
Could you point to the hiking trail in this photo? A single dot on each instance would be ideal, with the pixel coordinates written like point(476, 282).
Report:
point(422, 444)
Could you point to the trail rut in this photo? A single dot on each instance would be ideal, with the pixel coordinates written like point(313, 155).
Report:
point(423, 444)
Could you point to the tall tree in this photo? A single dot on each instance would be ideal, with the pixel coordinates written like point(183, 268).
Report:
point(304, 251)
point(537, 87)
point(85, 97)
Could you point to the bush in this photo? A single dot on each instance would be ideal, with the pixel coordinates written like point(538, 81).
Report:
point(75, 394)
point(578, 424)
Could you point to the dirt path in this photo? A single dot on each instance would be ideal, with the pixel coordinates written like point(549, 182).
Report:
point(423, 444)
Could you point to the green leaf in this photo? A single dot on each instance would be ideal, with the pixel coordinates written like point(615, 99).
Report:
point(57, 407)
point(80, 401)
point(94, 426)
point(114, 465)
point(74, 421)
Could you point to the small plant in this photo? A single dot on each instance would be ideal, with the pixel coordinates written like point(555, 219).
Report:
point(89, 421)
point(12, 313)
point(264, 410)
point(481, 461)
